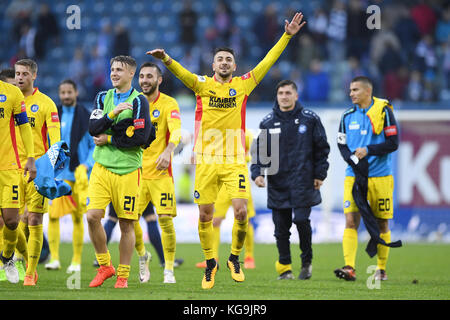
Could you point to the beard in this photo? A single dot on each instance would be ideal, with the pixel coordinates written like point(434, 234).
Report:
point(68, 102)
point(151, 90)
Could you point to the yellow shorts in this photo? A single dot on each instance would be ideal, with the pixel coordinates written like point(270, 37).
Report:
point(160, 192)
point(223, 203)
point(121, 190)
point(379, 196)
point(61, 206)
point(209, 178)
point(9, 187)
point(29, 197)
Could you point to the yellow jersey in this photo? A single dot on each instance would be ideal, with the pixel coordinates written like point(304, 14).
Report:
point(165, 117)
point(221, 107)
point(44, 120)
point(12, 110)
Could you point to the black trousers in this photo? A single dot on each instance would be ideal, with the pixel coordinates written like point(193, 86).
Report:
point(283, 218)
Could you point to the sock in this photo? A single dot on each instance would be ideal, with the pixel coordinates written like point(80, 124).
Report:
point(77, 238)
point(216, 241)
point(211, 263)
point(104, 259)
point(282, 268)
point(205, 233)
point(34, 247)
point(249, 243)
point(53, 238)
point(24, 227)
point(155, 239)
point(109, 227)
point(139, 244)
point(21, 246)
point(123, 271)
point(9, 241)
point(383, 251)
point(349, 246)
point(238, 234)
point(168, 241)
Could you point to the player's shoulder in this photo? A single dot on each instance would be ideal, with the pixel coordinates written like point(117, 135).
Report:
point(310, 114)
point(349, 111)
point(268, 118)
point(100, 97)
point(43, 98)
point(167, 100)
point(9, 89)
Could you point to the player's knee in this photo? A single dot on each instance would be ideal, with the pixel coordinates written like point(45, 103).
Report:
point(12, 222)
point(93, 217)
point(217, 222)
point(241, 213)
point(34, 218)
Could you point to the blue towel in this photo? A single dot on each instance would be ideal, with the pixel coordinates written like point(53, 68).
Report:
point(49, 166)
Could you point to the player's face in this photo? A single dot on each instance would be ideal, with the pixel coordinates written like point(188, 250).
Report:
point(286, 97)
point(121, 74)
point(67, 94)
point(359, 92)
point(224, 64)
point(149, 80)
point(24, 77)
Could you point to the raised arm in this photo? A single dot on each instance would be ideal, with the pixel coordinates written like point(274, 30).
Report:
point(188, 78)
point(290, 29)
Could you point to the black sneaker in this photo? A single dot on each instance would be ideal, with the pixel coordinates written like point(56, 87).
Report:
point(178, 262)
point(305, 272)
point(380, 274)
point(347, 273)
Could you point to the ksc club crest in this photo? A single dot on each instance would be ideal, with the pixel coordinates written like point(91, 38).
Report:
point(155, 113)
point(232, 92)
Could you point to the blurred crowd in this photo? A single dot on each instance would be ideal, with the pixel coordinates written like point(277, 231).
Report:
point(408, 56)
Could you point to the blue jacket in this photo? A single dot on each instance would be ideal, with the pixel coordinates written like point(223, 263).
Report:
point(49, 167)
point(303, 154)
point(74, 130)
point(357, 130)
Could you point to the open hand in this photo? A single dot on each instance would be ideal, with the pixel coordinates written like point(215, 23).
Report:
point(157, 53)
point(295, 25)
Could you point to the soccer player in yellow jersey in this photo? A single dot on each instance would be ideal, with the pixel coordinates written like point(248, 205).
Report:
point(13, 110)
point(220, 141)
point(221, 206)
point(157, 183)
point(43, 117)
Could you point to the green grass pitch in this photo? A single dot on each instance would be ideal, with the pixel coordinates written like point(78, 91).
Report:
point(426, 263)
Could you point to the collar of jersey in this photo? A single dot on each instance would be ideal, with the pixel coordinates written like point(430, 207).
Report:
point(364, 110)
point(121, 97)
point(221, 82)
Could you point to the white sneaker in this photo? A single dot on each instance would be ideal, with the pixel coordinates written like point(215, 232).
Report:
point(73, 268)
point(53, 265)
point(144, 272)
point(169, 277)
point(11, 272)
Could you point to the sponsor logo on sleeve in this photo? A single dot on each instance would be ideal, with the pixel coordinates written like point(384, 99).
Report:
point(96, 114)
point(390, 131)
point(342, 138)
point(246, 76)
point(55, 117)
point(139, 123)
point(175, 114)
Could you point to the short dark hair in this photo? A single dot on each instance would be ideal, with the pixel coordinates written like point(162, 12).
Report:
point(226, 49)
point(364, 80)
point(126, 60)
point(284, 83)
point(151, 65)
point(69, 81)
point(7, 73)
point(31, 64)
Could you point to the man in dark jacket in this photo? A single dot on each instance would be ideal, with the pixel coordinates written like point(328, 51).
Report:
point(295, 172)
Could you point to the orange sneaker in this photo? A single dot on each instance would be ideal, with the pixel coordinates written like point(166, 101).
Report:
point(30, 280)
point(121, 283)
point(201, 265)
point(249, 263)
point(103, 273)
